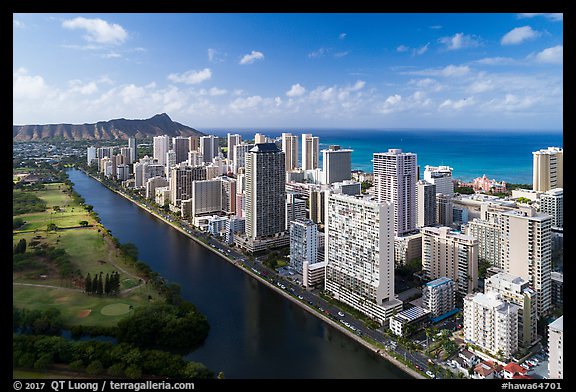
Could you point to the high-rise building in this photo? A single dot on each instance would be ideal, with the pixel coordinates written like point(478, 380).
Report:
point(444, 209)
point(161, 147)
point(359, 255)
point(233, 140)
point(526, 250)
point(240, 151)
point(517, 291)
point(265, 198)
point(228, 194)
point(206, 197)
point(310, 149)
point(181, 146)
point(552, 203)
point(449, 254)
point(194, 143)
point(395, 176)
point(209, 147)
point(91, 155)
point(153, 183)
point(295, 208)
point(195, 158)
point(491, 323)
point(170, 162)
point(303, 243)
point(336, 164)
point(134, 149)
point(438, 296)
point(487, 232)
point(426, 201)
point(290, 148)
point(317, 202)
point(260, 138)
point(548, 169)
point(441, 176)
point(181, 180)
point(556, 349)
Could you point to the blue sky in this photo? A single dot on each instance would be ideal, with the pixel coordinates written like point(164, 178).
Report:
point(492, 71)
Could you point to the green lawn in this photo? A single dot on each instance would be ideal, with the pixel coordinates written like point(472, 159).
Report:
point(72, 303)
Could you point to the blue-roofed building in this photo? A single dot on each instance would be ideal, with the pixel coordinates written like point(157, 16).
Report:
point(438, 297)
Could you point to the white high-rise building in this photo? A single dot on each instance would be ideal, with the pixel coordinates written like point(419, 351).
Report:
point(153, 183)
point(395, 176)
point(233, 140)
point(170, 162)
point(526, 250)
point(336, 164)
point(134, 149)
point(487, 232)
point(295, 208)
point(240, 151)
point(260, 138)
point(552, 203)
point(359, 255)
point(303, 243)
point(548, 169)
point(91, 155)
point(195, 158)
point(491, 323)
point(209, 147)
point(441, 176)
point(556, 349)
point(290, 148)
point(181, 180)
point(310, 149)
point(161, 147)
point(449, 254)
point(517, 291)
point(181, 146)
point(426, 201)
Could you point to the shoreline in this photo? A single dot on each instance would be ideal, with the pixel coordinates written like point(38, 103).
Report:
point(302, 305)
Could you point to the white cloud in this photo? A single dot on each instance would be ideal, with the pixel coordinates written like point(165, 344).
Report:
point(456, 105)
point(340, 54)
point(402, 48)
point(84, 89)
point(552, 55)
point(518, 35)
point(481, 86)
point(318, 53)
point(393, 99)
point(241, 104)
point(496, 61)
point(421, 50)
point(98, 30)
point(552, 16)
point(459, 41)
point(435, 27)
point(342, 35)
point(215, 56)
point(26, 86)
point(359, 85)
point(296, 90)
point(252, 57)
point(426, 83)
point(215, 91)
point(191, 77)
point(454, 70)
point(111, 55)
point(17, 24)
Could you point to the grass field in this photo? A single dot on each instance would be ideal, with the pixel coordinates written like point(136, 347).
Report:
point(90, 252)
point(71, 303)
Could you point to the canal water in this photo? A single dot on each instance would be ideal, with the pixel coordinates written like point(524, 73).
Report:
point(255, 333)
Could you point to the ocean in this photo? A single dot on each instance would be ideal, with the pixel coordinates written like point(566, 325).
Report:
point(500, 155)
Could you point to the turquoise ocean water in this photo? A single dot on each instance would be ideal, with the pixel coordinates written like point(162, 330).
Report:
point(501, 155)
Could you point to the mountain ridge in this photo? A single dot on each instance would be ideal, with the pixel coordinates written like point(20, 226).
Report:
point(120, 128)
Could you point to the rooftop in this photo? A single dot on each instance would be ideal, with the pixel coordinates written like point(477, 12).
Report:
point(413, 313)
point(265, 147)
point(439, 281)
point(557, 324)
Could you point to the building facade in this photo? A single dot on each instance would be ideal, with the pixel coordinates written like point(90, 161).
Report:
point(556, 349)
point(439, 297)
point(426, 201)
point(310, 150)
point(552, 203)
point(303, 243)
point(290, 148)
point(441, 176)
point(160, 148)
point(548, 169)
point(336, 164)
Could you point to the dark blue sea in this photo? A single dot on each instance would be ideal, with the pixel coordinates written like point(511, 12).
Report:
point(500, 155)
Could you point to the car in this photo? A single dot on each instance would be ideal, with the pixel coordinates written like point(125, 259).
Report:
point(300, 297)
point(321, 309)
point(340, 314)
point(430, 374)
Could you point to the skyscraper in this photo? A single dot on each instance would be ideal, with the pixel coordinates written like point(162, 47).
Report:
point(395, 179)
point(310, 151)
point(426, 201)
point(552, 203)
point(548, 169)
point(303, 243)
point(161, 147)
point(209, 147)
point(336, 164)
point(556, 348)
point(441, 176)
point(265, 198)
point(134, 149)
point(359, 255)
point(181, 146)
point(290, 148)
point(233, 140)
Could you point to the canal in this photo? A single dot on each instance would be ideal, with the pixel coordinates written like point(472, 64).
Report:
point(255, 333)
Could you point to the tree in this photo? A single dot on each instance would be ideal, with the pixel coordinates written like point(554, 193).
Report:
point(107, 285)
point(20, 246)
point(133, 371)
point(88, 284)
point(51, 227)
point(17, 222)
point(95, 284)
point(83, 223)
point(99, 285)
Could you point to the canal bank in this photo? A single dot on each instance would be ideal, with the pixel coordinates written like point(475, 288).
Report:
point(380, 353)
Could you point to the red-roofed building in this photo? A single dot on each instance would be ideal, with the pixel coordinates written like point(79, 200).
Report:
point(487, 370)
point(522, 377)
point(512, 369)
